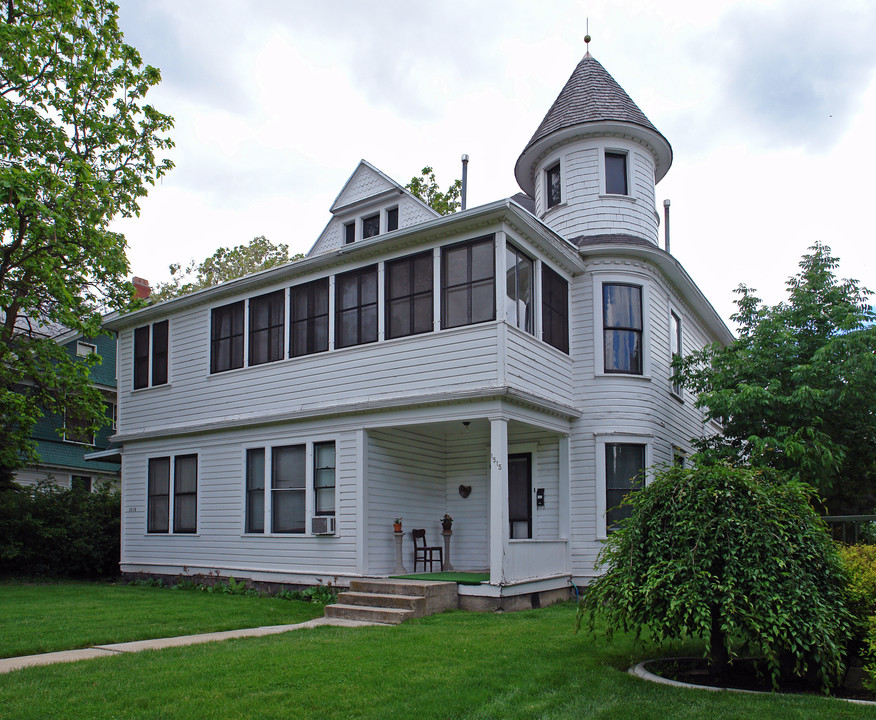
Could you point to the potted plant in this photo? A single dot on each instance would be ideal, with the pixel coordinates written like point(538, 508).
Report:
point(447, 523)
point(396, 525)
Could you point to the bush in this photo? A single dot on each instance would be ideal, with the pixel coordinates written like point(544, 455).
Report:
point(736, 557)
point(49, 531)
point(860, 562)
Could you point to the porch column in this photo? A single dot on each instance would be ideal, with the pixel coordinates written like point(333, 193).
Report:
point(498, 498)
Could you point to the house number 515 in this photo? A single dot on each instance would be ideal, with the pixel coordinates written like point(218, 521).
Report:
point(496, 462)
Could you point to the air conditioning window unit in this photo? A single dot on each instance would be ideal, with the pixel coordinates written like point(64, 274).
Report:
point(322, 525)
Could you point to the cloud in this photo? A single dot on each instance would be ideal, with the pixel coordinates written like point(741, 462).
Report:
point(792, 74)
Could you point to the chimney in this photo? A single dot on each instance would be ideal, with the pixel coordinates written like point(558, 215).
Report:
point(141, 288)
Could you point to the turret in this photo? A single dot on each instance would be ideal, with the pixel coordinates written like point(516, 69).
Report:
point(593, 163)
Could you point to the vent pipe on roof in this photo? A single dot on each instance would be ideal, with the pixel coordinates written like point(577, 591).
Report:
point(666, 222)
point(464, 181)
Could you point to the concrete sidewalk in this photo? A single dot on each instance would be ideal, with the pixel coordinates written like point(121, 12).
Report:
point(16, 663)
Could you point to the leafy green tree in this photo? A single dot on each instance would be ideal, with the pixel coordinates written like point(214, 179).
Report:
point(78, 148)
point(735, 556)
point(797, 390)
point(224, 264)
point(425, 187)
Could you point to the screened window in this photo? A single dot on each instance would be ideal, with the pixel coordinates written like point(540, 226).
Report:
point(675, 346)
point(624, 473)
point(391, 219)
point(288, 488)
point(554, 309)
point(356, 307)
point(185, 494)
point(350, 232)
point(266, 319)
point(159, 352)
point(255, 490)
point(622, 328)
point(468, 285)
point(150, 355)
point(141, 357)
point(409, 306)
point(226, 346)
point(310, 316)
point(324, 478)
point(371, 226)
point(518, 289)
point(616, 173)
point(553, 191)
point(158, 495)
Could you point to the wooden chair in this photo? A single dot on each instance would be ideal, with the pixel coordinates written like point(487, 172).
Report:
point(424, 553)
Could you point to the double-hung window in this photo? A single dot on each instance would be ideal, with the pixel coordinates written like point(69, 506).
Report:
point(266, 319)
point(518, 289)
point(371, 226)
point(622, 328)
point(255, 490)
point(356, 307)
point(76, 428)
point(324, 478)
point(468, 283)
point(226, 346)
point(409, 306)
point(624, 473)
point(182, 514)
point(150, 355)
point(554, 309)
point(310, 318)
point(288, 489)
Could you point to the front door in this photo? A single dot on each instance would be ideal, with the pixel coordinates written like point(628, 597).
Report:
point(520, 495)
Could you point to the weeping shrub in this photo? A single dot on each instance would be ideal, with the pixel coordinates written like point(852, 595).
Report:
point(860, 563)
point(737, 557)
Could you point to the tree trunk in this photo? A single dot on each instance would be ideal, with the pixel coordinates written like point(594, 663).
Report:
point(719, 658)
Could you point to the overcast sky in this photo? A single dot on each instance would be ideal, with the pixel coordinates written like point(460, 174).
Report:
point(770, 108)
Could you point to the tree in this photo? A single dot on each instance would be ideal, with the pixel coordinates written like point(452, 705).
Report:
point(425, 187)
point(797, 390)
point(224, 264)
point(735, 556)
point(78, 149)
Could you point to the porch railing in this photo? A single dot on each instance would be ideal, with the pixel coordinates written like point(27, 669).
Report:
point(528, 559)
point(852, 529)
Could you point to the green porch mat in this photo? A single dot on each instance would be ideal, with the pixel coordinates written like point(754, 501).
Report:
point(463, 578)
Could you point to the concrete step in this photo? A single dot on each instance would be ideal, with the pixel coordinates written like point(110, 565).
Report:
point(385, 615)
point(414, 603)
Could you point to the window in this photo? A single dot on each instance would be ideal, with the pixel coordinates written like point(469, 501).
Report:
point(150, 355)
point(371, 226)
point(255, 490)
point(185, 494)
point(295, 486)
point(554, 309)
point(266, 319)
point(675, 347)
point(391, 219)
point(624, 473)
point(409, 307)
point(80, 484)
point(184, 491)
point(350, 232)
point(310, 316)
point(616, 173)
point(288, 489)
point(158, 500)
point(553, 193)
point(76, 428)
point(679, 457)
point(468, 286)
point(356, 307)
point(85, 349)
point(226, 346)
point(520, 495)
point(518, 289)
point(324, 478)
point(622, 328)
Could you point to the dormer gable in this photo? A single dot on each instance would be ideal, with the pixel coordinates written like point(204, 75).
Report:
point(370, 204)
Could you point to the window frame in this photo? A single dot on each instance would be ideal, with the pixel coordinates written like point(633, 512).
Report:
point(76, 437)
point(529, 322)
point(317, 470)
point(469, 284)
point(171, 523)
point(84, 349)
point(360, 308)
point(616, 438)
point(237, 358)
point(410, 299)
point(366, 224)
point(349, 232)
point(273, 333)
point(552, 313)
point(150, 363)
point(640, 372)
point(676, 348)
point(311, 319)
point(557, 169)
point(392, 218)
point(616, 153)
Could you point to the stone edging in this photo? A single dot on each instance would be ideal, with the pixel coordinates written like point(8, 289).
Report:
point(639, 671)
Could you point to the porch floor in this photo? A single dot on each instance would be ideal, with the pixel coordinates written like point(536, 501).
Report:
point(461, 578)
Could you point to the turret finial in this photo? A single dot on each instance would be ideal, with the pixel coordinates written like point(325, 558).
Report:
point(587, 39)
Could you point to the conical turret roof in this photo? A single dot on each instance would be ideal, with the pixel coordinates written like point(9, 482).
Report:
point(591, 96)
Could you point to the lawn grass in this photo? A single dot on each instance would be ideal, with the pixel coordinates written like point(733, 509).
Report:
point(42, 618)
point(454, 665)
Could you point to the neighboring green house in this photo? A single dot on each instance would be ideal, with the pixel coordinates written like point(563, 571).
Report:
point(62, 454)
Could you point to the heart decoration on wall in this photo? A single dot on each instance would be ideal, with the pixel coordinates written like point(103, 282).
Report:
point(465, 490)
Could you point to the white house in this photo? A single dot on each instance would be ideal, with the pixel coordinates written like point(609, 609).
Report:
point(508, 364)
